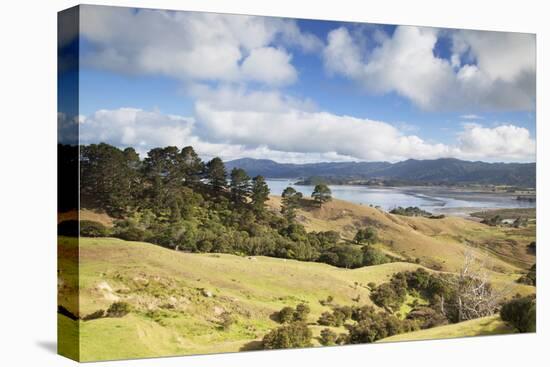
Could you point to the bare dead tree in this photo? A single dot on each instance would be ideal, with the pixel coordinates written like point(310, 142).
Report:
point(473, 294)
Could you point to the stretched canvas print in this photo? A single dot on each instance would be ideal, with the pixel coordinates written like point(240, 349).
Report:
point(231, 183)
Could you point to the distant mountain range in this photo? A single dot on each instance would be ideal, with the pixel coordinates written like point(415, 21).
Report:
point(436, 171)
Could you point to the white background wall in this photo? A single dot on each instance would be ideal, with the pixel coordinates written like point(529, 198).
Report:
point(28, 182)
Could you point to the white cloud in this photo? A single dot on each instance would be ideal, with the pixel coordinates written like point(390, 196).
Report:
point(505, 142)
point(305, 132)
point(269, 65)
point(144, 130)
point(281, 131)
point(193, 46)
point(133, 127)
point(500, 75)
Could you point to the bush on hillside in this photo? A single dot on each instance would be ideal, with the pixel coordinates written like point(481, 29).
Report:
point(89, 228)
point(132, 234)
point(118, 309)
point(286, 315)
point(372, 326)
point(372, 256)
point(521, 313)
point(531, 277)
point(302, 312)
point(94, 315)
point(328, 337)
point(293, 335)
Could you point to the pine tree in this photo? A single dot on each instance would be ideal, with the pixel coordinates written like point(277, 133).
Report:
point(321, 194)
point(290, 201)
point(216, 174)
point(240, 185)
point(260, 193)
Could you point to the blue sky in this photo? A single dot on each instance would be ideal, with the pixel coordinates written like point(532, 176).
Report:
point(304, 90)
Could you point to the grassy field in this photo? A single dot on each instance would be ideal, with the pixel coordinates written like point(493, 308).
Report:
point(491, 325)
point(528, 213)
point(178, 299)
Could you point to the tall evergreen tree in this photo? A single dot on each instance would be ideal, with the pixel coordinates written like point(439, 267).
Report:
point(240, 185)
point(162, 170)
point(106, 177)
point(290, 201)
point(260, 193)
point(321, 194)
point(192, 166)
point(216, 174)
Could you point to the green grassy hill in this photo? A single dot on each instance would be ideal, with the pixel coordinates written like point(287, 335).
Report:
point(179, 299)
point(435, 242)
point(492, 325)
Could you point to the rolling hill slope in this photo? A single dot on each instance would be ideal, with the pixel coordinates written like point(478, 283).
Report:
point(178, 299)
point(491, 325)
point(439, 243)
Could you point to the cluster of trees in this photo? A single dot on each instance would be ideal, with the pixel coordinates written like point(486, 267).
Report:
point(290, 314)
point(452, 297)
point(174, 199)
point(521, 313)
point(293, 335)
point(531, 277)
point(372, 325)
point(364, 325)
point(350, 256)
point(291, 199)
point(411, 211)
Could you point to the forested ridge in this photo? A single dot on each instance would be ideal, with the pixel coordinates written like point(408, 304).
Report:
point(173, 199)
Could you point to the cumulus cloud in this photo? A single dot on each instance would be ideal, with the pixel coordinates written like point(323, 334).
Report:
point(284, 127)
point(487, 70)
point(193, 46)
point(144, 130)
point(281, 131)
point(505, 142)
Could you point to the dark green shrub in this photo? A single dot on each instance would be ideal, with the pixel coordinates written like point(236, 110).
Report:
point(286, 315)
point(344, 256)
point(372, 326)
point(89, 228)
point(293, 335)
point(372, 256)
point(328, 337)
point(132, 234)
point(426, 317)
point(94, 315)
point(531, 277)
point(366, 235)
point(118, 309)
point(521, 313)
point(411, 211)
point(385, 295)
point(327, 319)
point(342, 339)
point(302, 312)
point(346, 311)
